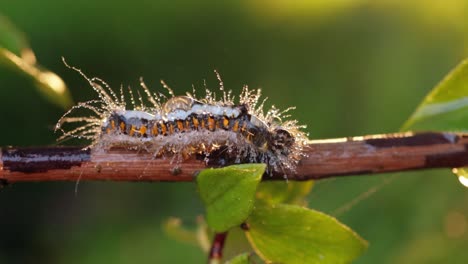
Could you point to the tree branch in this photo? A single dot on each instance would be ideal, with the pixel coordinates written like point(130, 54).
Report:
point(326, 158)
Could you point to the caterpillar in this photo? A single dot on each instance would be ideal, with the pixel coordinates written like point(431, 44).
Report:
point(220, 130)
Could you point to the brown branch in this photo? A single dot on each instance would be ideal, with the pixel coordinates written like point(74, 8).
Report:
point(326, 158)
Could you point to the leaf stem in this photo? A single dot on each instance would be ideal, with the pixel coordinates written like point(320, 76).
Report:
point(216, 251)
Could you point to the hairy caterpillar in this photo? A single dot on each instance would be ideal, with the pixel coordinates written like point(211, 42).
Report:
point(220, 130)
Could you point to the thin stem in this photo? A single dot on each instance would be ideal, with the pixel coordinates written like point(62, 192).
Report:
point(216, 251)
point(325, 158)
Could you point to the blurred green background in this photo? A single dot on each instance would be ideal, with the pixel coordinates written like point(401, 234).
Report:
point(351, 67)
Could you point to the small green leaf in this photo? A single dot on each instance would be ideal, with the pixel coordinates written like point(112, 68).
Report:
point(239, 259)
point(446, 106)
point(48, 83)
point(236, 243)
point(16, 54)
point(290, 192)
point(228, 193)
point(293, 234)
point(199, 237)
point(462, 174)
point(11, 38)
point(174, 229)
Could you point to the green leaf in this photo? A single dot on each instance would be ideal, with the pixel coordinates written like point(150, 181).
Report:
point(48, 83)
point(228, 193)
point(236, 243)
point(291, 192)
point(11, 38)
point(446, 106)
point(293, 234)
point(199, 237)
point(240, 259)
point(462, 174)
point(16, 54)
point(174, 229)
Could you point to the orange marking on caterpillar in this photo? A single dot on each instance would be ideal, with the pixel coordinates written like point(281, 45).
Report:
point(143, 130)
point(180, 125)
point(236, 126)
point(171, 129)
point(249, 136)
point(202, 123)
point(195, 121)
point(244, 127)
point(132, 130)
point(211, 123)
point(163, 129)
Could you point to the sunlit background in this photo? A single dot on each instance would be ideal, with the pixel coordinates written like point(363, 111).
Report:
point(352, 67)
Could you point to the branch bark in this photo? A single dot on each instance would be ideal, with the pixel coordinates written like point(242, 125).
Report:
point(326, 158)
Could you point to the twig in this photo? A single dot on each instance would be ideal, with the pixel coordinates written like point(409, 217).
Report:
point(216, 251)
point(326, 158)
